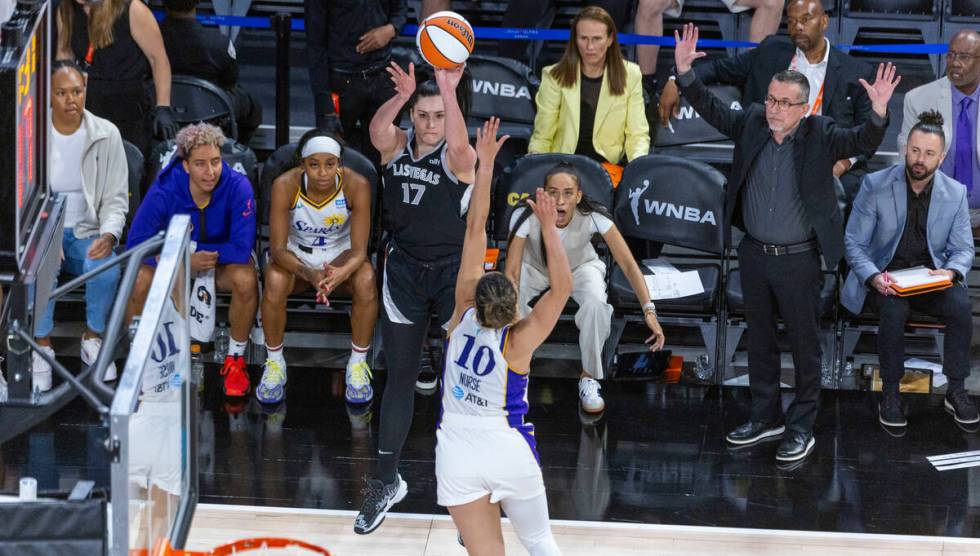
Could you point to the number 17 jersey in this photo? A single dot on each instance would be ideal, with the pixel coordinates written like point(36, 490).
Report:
point(424, 203)
point(478, 381)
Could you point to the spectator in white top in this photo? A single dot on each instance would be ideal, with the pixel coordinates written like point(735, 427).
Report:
point(88, 167)
point(579, 218)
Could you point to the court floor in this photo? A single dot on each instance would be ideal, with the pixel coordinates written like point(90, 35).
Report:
point(435, 535)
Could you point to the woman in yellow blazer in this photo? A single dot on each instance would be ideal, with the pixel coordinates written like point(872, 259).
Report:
point(591, 101)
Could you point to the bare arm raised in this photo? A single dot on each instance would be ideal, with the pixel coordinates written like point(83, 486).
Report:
point(386, 136)
point(475, 242)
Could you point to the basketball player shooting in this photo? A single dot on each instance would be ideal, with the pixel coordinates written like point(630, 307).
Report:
point(486, 455)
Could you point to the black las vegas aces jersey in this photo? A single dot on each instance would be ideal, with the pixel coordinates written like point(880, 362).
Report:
point(424, 205)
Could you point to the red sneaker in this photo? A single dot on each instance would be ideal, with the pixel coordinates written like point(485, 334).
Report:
point(236, 377)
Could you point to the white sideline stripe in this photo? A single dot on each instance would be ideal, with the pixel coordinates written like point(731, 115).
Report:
point(954, 455)
point(955, 460)
point(618, 526)
point(959, 466)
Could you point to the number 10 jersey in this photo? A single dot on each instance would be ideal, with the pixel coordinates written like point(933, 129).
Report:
point(477, 380)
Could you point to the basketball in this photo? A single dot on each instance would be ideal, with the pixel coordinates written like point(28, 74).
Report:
point(445, 39)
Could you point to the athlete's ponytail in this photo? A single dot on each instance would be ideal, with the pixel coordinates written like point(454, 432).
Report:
point(496, 300)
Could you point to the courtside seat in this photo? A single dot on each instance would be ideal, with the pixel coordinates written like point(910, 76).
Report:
point(503, 88)
point(892, 20)
point(526, 174)
point(851, 327)
point(736, 324)
point(198, 100)
point(736, 301)
point(623, 297)
point(521, 179)
point(279, 162)
point(237, 156)
point(679, 203)
point(135, 164)
point(282, 159)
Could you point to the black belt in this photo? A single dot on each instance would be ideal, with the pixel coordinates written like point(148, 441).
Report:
point(780, 250)
point(365, 73)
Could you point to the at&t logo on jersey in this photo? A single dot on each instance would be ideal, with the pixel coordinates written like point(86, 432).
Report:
point(458, 392)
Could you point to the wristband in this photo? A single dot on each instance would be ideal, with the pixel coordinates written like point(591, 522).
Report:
point(649, 307)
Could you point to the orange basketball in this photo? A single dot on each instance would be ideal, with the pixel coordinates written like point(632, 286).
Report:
point(445, 39)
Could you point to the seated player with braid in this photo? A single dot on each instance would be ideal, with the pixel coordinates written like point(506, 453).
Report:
point(319, 226)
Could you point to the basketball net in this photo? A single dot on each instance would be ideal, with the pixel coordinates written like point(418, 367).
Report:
point(257, 545)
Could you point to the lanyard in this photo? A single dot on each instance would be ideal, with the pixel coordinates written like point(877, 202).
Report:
point(815, 109)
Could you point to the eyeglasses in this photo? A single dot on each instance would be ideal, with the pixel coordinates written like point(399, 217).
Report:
point(964, 57)
point(782, 104)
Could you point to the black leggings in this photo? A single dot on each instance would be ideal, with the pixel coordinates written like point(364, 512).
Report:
point(412, 289)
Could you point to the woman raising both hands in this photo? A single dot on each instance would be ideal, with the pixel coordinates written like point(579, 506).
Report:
point(486, 455)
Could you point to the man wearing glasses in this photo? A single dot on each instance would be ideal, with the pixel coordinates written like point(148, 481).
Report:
point(956, 97)
point(781, 193)
point(832, 75)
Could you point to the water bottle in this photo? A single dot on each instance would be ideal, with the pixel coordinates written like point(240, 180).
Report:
point(220, 343)
point(197, 367)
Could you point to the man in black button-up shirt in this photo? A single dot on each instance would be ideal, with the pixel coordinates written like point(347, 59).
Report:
point(348, 47)
point(776, 277)
point(912, 248)
point(772, 208)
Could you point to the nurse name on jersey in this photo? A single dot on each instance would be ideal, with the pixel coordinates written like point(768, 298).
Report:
point(469, 383)
point(415, 173)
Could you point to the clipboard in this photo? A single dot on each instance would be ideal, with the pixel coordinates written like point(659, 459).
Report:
point(919, 290)
point(917, 281)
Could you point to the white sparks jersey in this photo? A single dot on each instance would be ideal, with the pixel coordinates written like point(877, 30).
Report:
point(323, 225)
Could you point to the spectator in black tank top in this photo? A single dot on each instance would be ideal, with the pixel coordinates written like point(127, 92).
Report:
point(205, 53)
point(118, 43)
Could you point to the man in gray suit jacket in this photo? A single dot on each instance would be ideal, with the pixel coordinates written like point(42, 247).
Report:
point(957, 98)
point(906, 216)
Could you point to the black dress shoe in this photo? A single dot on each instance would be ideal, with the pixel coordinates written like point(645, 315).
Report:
point(961, 407)
point(795, 446)
point(890, 411)
point(753, 432)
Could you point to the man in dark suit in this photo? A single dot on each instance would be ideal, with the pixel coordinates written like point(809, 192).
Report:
point(781, 194)
point(833, 77)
